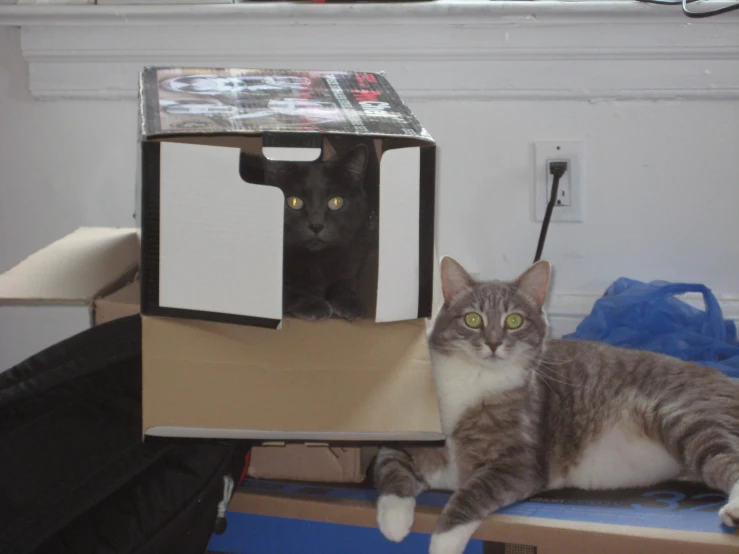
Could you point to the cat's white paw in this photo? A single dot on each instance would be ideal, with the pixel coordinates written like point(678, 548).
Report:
point(453, 541)
point(395, 516)
point(730, 513)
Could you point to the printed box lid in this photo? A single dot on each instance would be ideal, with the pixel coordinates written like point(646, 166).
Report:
point(207, 101)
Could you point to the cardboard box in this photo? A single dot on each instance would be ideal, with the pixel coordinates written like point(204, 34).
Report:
point(122, 303)
point(219, 359)
point(65, 288)
point(316, 463)
point(672, 518)
point(213, 247)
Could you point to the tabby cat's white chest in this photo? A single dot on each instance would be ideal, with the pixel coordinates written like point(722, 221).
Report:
point(462, 384)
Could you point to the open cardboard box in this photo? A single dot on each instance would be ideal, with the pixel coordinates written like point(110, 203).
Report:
point(219, 359)
point(84, 279)
point(216, 193)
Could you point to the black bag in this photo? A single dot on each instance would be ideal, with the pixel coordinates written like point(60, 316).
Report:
point(75, 476)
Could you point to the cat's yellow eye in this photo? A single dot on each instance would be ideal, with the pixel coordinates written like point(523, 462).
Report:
point(473, 320)
point(513, 321)
point(336, 203)
point(294, 202)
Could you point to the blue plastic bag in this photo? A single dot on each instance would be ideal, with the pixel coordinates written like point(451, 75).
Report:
point(648, 316)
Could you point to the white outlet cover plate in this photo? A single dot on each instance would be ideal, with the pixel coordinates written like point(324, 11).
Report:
point(574, 153)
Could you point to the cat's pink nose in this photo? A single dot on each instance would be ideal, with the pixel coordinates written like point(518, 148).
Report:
point(316, 227)
point(493, 346)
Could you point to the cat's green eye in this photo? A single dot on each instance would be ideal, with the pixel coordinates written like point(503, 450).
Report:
point(513, 321)
point(294, 202)
point(473, 320)
point(336, 203)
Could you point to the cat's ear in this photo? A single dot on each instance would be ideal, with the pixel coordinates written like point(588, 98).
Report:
point(454, 278)
point(534, 282)
point(354, 162)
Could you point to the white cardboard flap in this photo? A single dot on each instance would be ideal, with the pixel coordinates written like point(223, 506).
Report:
point(74, 269)
point(398, 271)
point(220, 238)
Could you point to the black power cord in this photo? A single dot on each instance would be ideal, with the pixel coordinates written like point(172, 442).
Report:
point(695, 14)
point(557, 169)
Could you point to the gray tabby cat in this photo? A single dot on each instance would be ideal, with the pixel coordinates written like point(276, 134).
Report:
point(524, 414)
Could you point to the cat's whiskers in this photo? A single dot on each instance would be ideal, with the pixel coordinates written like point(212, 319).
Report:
point(548, 363)
point(542, 369)
point(544, 380)
point(546, 366)
point(568, 383)
point(546, 358)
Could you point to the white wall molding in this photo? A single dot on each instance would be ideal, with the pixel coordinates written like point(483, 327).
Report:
point(454, 12)
point(477, 50)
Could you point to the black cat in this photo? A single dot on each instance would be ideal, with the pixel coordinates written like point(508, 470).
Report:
point(327, 235)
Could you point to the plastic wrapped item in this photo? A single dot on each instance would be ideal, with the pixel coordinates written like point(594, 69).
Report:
point(650, 316)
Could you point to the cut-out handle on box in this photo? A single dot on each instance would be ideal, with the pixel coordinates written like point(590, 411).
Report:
point(292, 147)
point(277, 154)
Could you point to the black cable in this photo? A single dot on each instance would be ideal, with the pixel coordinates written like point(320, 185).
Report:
point(708, 13)
point(557, 169)
point(686, 11)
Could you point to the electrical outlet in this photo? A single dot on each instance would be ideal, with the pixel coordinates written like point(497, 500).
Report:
point(570, 196)
point(564, 190)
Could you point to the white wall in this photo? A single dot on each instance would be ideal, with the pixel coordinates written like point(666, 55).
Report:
point(662, 182)
point(662, 186)
point(62, 164)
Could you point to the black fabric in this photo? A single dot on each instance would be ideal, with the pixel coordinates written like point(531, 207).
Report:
point(76, 477)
